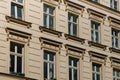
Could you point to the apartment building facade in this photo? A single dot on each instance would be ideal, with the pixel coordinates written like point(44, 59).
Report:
point(59, 39)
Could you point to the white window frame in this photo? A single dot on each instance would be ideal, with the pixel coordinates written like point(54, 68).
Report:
point(49, 62)
point(48, 15)
point(116, 77)
point(94, 31)
point(18, 55)
point(114, 38)
point(74, 68)
point(112, 4)
point(16, 4)
point(95, 72)
point(72, 23)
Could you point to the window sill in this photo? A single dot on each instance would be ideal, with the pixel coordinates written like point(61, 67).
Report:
point(114, 50)
point(12, 19)
point(67, 36)
point(97, 45)
point(44, 29)
point(16, 76)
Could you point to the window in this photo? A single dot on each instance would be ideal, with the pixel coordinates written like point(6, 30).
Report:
point(116, 74)
point(72, 24)
point(115, 38)
point(114, 4)
point(95, 34)
point(96, 71)
point(16, 58)
point(95, 0)
point(48, 17)
point(73, 69)
point(49, 65)
point(17, 9)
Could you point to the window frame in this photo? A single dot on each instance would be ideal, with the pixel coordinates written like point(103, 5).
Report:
point(72, 15)
point(74, 67)
point(95, 72)
point(94, 31)
point(21, 55)
point(17, 5)
point(115, 37)
point(112, 4)
point(48, 16)
point(48, 63)
point(116, 76)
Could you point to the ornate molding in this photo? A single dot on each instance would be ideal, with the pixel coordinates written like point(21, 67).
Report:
point(115, 62)
point(74, 51)
point(96, 16)
point(97, 57)
point(18, 35)
point(11, 19)
point(91, 43)
point(50, 44)
point(44, 29)
point(114, 50)
point(67, 36)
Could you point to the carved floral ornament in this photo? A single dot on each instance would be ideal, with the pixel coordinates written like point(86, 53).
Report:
point(115, 62)
point(50, 44)
point(96, 16)
point(74, 51)
point(13, 34)
point(97, 57)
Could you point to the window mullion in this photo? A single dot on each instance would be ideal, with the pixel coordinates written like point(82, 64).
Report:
point(16, 11)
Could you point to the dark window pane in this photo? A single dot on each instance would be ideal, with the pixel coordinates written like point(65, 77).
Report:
point(19, 48)
point(19, 12)
point(19, 65)
point(75, 74)
point(51, 57)
point(92, 35)
point(93, 76)
point(70, 74)
point(70, 61)
point(69, 28)
point(51, 21)
point(74, 18)
point(13, 10)
point(21, 1)
point(97, 36)
point(45, 8)
point(45, 20)
point(45, 70)
point(51, 71)
point(45, 55)
point(12, 63)
point(12, 47)
point(98, 77)
point(74, 29)
point(51, 10)
point(75, 63)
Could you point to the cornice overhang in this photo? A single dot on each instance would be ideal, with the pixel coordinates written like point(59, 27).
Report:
point(96, 13)
point(102, 7)
point(70, 37)
point(114, 50)
point(75, 5)
point(91, 43)
point(114, 59)
point(11, 31)
point(50, 42)
point(113, 20)
point(74, 48)
point(15, 76)
point(96, 54)
point(22, 22)
point(44, 29)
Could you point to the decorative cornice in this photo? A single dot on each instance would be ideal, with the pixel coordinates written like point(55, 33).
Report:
point(44, 29)
point(93, 12)
point(114, 50)
point(50, 42)
point(75, 5)
point(91, 43)
point(96, 54)
point(113, 59)
point(67, 36)
point(15, 76)
point(18, 33)
point(19, 21)
point(74, 48)
point(114, 20)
